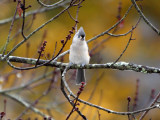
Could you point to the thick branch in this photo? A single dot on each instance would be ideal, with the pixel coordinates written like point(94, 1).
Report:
point(118, 65)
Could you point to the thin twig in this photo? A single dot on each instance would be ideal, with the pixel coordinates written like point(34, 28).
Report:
point(7, 42)
point(77, 13)
point(54, 50)
point(128, 106)
point(26, 85)
point(37, 100)
point(5, 21)
point(71, 15)
point(22, 102)
point(57, 3)
point(74, 108)
point(124, 49)
point(63, 85)
point(98, 44)
point(24, 9)
point(115, 112)
point(42, 48)
point(92, 93)
point(136, 95)
point(144, 18)
point(45, 63)
point(154, 101)
point(19, 44)
point(99, 115)
point(113, 26)
point(20, 30)
point(128, 41)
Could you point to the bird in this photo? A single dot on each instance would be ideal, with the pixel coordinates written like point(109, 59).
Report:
point(79, 54)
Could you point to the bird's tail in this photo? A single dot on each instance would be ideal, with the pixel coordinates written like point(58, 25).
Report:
point(80, 76)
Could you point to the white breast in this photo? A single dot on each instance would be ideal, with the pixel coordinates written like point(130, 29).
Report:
point(79, 53)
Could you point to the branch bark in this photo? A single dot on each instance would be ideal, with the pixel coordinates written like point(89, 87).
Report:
point(119, 65)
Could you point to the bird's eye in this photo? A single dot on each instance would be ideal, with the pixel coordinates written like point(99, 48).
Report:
point(82, 36)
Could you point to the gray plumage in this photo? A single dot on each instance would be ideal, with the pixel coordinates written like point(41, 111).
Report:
point(81, 32)
point(80, 76)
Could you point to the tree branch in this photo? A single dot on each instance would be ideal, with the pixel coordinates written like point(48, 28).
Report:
point(19, 44)
point(64, 84)
point(12, 23)
point(22, 102)
point(153, 103)
point(144, 18)
point(23, 86)
point(57, 3)
point(7, 20)
point(118, 65)
point(105, 32)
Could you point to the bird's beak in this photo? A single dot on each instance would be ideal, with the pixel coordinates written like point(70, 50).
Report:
point(82, 38)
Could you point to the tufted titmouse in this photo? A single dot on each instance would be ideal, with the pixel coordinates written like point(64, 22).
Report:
point(79, 54)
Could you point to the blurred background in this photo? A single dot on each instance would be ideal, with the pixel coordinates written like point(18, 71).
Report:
point(105, 87)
